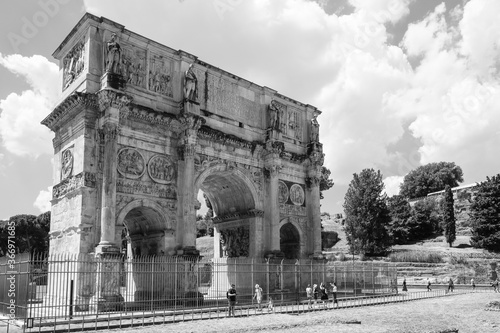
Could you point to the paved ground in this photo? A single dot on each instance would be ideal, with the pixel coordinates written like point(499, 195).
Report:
point(465, 312)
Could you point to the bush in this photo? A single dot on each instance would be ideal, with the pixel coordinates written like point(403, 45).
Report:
point(416, 256)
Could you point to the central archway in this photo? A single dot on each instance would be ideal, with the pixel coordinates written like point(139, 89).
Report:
point(233, 198)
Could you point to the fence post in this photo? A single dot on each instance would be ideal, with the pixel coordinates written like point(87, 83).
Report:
point(267, 277)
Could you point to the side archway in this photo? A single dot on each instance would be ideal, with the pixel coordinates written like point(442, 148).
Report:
point(291, 239)
point(148, 229)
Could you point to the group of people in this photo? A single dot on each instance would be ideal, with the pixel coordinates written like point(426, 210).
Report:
point(231, 297)
point(315, 294)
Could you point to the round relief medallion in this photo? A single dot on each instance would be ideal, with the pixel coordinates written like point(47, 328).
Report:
point(283, 192)
point(130, 163)
point(66, 164)
point(297, 195)
point(161, 169)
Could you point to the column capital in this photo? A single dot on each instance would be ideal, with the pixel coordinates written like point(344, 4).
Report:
point(186, 151)
point(109, 131)
point(110, 98)
point(312, 182)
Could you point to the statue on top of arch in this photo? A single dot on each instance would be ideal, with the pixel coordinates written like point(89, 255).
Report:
point(190, 84)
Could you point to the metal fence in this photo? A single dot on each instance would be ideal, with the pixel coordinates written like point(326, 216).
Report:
point(64, 287)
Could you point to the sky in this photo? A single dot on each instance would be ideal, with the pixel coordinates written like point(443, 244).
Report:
point(400, 83)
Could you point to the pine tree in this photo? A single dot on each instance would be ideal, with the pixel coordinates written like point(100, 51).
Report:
point(449, 221)
point(485, 215)
point(367, 216)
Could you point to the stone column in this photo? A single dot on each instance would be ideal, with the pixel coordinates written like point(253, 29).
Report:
point(110, 104)
point(314, 212)
point(189, 213)
point(272, 209)
point(187, 197)
point(108, 202)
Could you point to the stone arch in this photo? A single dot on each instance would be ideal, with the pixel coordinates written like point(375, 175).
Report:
point(231, 177)
point(149, 230)
point(291, 238)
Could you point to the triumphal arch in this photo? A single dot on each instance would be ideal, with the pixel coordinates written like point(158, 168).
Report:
point(141, 128)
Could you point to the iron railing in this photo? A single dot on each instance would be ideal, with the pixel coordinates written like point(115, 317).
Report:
point(71, 287)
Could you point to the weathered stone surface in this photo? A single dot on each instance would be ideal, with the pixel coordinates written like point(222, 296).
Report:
point(142, 128)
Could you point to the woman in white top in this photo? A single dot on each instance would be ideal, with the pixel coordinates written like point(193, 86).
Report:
point(334, 294)
point(258, 296)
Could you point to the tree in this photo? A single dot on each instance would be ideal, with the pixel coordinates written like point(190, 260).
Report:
point(31, 233)
point(424, 220)
point(485, 215)
point(400, 213)
point(325, 183)
point(449, 216)
point(430, 178)
point(367, 216)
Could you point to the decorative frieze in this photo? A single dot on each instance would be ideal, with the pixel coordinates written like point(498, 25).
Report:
point(70, 184)
point(286, 209)
point(210, 134)
point(238, 216)
point(73, 64)
point(129, 186)
point(149, 116)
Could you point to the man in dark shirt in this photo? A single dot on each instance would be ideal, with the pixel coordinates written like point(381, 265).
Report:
point(231, 297)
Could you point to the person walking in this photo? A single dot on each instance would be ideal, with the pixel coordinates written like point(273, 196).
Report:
point(334, 294)
point(309, 295)
point(324, 294)
point(450, 285)
point(404, 285)
point(473, 284)
point(315, 293)
point(258, 296)
point(429, 285)
point(231, 298)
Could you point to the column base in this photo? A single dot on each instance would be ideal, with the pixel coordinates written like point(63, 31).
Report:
point(107, 248)
point(191, 251)
point(107, 303)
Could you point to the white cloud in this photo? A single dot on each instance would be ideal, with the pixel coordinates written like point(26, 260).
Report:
point(344, 66)
point(42, 201)
point(392, 184)
point(454, 94)
point(20, 130)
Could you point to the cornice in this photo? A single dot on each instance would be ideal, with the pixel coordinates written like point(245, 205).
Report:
point(69, 103)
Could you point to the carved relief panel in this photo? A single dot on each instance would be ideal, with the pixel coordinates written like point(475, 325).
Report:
point(67, 163)
point(295, 123)
point(235, 242)
point(161, 169)
point(130, 163)
point(73, 64)
point(292, 198)
point(134, 66)
point(160, 75)
point(287, 119)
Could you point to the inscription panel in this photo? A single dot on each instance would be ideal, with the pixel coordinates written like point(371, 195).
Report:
point(228, 99)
